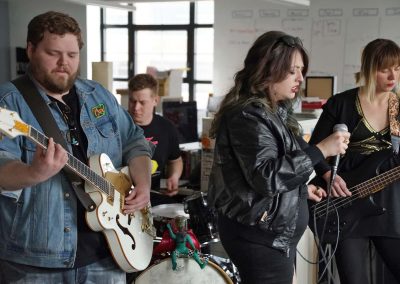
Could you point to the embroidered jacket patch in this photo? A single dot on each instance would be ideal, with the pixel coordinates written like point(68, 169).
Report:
point(99, 110)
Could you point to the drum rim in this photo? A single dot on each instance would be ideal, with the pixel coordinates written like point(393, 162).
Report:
point(179, 206)
point(226, 277)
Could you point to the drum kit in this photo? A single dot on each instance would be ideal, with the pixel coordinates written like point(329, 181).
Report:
point(202, 221)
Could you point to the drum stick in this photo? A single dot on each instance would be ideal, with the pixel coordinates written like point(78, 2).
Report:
point(181, 191)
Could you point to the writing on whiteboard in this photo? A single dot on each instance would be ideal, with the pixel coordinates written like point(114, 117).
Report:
point(365, 12)
point(330, 12)
point(272, 13)
point(297, 12)
point(242, 14)
point(392, 11)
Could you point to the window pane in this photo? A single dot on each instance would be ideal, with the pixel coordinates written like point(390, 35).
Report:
point(117, 53)
point(161, 49)
point(161, 13)
point(201, 93)
point(115, 16)
point(93, 37)
point(204, 12)
point(122, 93)
point(204, 53)
point(119, 85)
point(185, 92)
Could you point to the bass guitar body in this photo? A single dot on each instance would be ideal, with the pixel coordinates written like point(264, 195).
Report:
point(335, 218)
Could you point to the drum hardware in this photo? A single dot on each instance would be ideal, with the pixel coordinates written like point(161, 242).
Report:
point(227, 266)
point(202, 219)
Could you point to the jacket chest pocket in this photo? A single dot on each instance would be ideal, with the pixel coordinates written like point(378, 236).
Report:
point(106, 126)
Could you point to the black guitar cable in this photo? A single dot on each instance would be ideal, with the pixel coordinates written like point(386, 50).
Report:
point(319, 238)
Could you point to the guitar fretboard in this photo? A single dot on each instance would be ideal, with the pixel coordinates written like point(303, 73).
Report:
point(361, 190)
point(76, 166)
point(377, 183)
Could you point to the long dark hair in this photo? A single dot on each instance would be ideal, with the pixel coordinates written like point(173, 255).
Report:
point(267, 62)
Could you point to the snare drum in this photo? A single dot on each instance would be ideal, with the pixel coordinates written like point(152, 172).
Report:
point(202, 219)
point(164, 213)
point(188, 271)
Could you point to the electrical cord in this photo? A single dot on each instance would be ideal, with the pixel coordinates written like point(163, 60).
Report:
point(322, 256)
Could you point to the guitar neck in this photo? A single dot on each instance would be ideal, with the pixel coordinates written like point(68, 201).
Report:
point(377, 183)
point(75, 165)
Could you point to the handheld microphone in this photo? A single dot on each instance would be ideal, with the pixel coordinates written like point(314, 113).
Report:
point(337, 127)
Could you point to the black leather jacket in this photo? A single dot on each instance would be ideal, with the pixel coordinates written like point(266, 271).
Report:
point(259, 172)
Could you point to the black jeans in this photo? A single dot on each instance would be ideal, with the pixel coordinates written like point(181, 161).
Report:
point(353, 259)
point(256, 262)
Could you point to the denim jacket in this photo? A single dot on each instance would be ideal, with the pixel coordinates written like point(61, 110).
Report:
point(38, 224)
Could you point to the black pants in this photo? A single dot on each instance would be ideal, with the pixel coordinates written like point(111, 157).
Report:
point(256, 262)
point(259, 264)
point(353, 259)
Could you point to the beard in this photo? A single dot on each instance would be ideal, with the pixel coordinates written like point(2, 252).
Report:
point(51, 82)
point(59, 86)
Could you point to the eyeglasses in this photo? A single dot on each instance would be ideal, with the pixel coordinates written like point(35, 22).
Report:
point(290, 41)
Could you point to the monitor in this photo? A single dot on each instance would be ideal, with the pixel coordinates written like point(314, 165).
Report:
point(184, 116)
point(322, 87)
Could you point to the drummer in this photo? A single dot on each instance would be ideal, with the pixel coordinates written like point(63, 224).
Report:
point(143, 98)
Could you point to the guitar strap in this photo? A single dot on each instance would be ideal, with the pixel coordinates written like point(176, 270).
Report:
point(46, 120)
point(394, 121)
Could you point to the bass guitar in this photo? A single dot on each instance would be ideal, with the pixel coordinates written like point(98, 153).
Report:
point(129, 236)
point(335, 218)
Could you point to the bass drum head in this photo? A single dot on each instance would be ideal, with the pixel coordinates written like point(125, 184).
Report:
point(188, 271)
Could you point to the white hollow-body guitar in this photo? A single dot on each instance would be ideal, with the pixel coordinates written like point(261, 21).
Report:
point(129, 236)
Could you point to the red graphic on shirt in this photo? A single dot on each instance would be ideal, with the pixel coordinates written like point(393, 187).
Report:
point(151, 140)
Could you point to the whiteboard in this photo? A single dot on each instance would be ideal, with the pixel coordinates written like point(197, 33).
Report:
point(333, 32)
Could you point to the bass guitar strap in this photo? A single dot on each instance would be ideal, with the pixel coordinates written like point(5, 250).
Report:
point(46, 120)
point(394, 121)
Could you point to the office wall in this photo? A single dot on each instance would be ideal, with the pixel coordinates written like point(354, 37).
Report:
point(334, 33)
point(4, 43)
point(342, 28)
point(22, 11)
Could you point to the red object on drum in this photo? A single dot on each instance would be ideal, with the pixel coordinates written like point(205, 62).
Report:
point(167, 244)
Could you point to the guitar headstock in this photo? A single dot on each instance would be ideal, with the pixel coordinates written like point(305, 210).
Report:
point(11, 124)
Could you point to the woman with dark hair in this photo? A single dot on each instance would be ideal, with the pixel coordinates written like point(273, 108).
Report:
point(370, 112)
point(261, 165)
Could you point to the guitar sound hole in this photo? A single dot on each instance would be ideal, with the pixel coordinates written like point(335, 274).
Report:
point(126, 232)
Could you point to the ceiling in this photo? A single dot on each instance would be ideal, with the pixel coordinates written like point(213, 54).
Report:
point(128, 4)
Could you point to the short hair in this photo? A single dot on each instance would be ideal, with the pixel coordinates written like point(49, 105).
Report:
point(55, 23)
point(143, 81)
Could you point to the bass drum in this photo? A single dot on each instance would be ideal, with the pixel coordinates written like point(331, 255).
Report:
point(188, 271)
